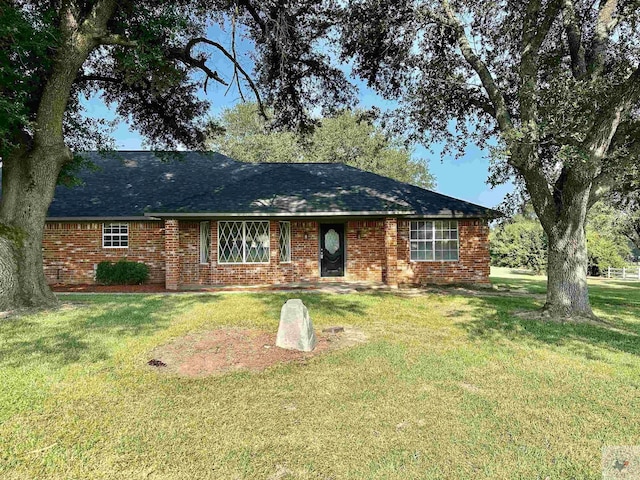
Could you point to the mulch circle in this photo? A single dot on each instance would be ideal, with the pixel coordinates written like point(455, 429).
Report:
point(231, 349)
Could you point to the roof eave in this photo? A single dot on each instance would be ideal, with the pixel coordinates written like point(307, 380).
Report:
point(392, 213)
point(275, 214)
point(122, 218)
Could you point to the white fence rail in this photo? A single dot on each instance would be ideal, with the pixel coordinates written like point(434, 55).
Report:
point(628, 273)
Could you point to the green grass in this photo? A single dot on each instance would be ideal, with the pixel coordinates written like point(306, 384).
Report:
point(448, 386)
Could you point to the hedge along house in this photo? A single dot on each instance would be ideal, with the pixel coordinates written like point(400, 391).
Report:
point(205, 220)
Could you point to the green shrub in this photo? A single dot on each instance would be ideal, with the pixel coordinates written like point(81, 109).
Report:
point(520, 243)
point(604, 252)
point(122, 272)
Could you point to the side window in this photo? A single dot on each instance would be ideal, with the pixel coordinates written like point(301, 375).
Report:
point(115, 235)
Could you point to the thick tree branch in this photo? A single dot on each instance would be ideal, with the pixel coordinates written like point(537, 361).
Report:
point(77, 42)
point(116, 40)
point(549, 16)
point(605, 23)
point(495, 95)
point(533, 176)
point(483, 105)
point(254, 14)
point(97, 78)
point(529, 66)
point(574, 39)
point(534, 34)
point(598, 139)
point(186, 58)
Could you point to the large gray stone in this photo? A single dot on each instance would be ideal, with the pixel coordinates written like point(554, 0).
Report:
point(296, 330)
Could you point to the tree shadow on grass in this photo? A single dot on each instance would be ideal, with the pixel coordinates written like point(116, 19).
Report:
point(87, 332)
point(494, 319)
point(520, 284)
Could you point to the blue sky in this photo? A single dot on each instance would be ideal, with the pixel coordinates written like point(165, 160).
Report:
point(463, 178)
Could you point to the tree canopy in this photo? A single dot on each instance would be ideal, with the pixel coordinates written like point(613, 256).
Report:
point(557, 82)
point(349, 137)
point(148, 60)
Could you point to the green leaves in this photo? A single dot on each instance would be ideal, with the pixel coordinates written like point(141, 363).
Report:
point(25, 39)
point(521, 243)
point(349, 137)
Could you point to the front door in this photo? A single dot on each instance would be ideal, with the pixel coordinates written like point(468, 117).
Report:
point(332, 250)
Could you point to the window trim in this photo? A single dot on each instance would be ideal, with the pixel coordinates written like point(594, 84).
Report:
point(201, 244)
point(244, 237)
point(288, 242)
point(120, 225)
point(434, 240)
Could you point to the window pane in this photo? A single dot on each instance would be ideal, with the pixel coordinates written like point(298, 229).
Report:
point(257, 242)
point(230, 242)
point(115, 235)
point(205, 242)
point(285, 241)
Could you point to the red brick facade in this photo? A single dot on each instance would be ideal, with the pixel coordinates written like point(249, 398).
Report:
point(472, 266)
point(72, 250)
point(376, 251)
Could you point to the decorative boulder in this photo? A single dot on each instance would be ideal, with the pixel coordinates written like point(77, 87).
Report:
point(296, 330)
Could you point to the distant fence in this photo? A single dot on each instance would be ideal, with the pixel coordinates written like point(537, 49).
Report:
point(627, 273)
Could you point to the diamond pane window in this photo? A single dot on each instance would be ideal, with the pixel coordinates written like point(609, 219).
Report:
point(434, 241)
point(115, 235)
point(205, 242)
point(256, 242)
point(243, 242)
point(284, 242)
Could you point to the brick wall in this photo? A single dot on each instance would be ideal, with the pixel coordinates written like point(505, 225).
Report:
point(365, 250)
point(364, 258)
point(192, 272)
point(172, 254)
point(72, 250)
point(472, 266)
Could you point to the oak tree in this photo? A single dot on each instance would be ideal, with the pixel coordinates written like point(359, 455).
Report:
point(149, 61)
point(557, 82)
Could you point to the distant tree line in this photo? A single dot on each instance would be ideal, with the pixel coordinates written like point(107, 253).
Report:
point(612, 234)
point(351, 137)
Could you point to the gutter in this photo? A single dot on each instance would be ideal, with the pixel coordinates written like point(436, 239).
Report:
point(144, 218)
point(393, 213)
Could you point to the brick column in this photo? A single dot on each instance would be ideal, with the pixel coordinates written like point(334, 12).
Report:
point(172, 253)
point(391, 251)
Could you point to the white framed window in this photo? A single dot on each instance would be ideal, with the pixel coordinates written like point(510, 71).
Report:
point(243, 242)
point(205, 242)
point(115, 235)
point(434, 240)
point(284, 242)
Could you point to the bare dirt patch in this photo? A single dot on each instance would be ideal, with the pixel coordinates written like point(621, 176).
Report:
point(231, 349)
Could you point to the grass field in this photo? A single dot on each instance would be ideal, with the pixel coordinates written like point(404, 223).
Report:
point(448, 386)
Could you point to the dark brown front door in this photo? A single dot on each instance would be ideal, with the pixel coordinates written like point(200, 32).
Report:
point(332, 250)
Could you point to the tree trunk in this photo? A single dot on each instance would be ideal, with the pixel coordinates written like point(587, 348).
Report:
point(28, 184)
point(567, 290)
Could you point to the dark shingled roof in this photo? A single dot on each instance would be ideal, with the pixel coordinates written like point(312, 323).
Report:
point(132, 184)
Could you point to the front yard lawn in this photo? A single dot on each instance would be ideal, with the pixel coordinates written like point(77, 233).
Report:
point(447, 386)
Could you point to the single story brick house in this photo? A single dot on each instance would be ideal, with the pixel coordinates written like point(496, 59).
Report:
point(204, 219)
